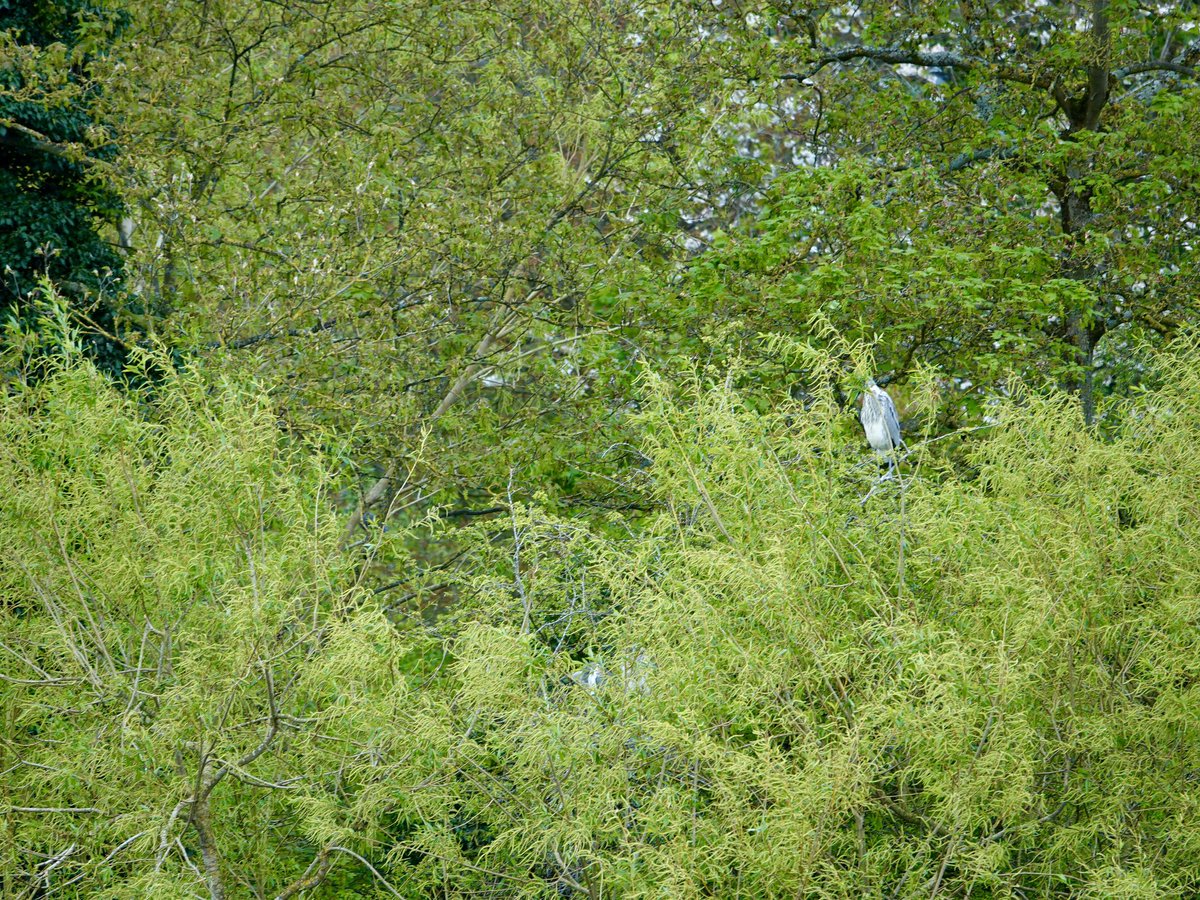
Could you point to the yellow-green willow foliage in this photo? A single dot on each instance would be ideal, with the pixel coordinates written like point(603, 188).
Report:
point(179, 641)
point(823, 685)
point(790, 679)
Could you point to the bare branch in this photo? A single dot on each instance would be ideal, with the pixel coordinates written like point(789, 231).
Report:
point(310, 879)
point(374, 871)
point(498, 332)
point(964, 160)
point(14, 134)
point(1154, 66)
point(929, 59)
point(937, 59)
point(268, 739)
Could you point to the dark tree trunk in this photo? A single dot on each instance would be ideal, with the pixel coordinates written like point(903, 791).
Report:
point(1084, 328)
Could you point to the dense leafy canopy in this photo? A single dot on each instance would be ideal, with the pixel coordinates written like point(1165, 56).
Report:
point(799, 683)
point(1004, 192)
point(486, 513)
point(481, 219)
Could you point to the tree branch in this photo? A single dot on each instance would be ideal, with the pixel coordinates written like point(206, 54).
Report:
point(202, 822)
point(251, 756)
point(1154, 66)
point(929, 59)
point(963, 160)
point(912, 818)
point(373, 870)
point(14, 134)
point(495, 334)
point(310, 879)
point(932, 59)
point(466, 513)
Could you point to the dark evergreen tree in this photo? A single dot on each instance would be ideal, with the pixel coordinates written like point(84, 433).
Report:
point(54, 193)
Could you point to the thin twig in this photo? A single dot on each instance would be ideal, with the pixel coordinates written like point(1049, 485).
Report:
point(374, 871)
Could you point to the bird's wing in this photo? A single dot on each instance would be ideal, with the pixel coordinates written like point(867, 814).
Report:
point(891, 419)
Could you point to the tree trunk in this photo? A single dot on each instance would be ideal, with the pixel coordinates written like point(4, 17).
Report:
point(1083, 113)
point(202, 821)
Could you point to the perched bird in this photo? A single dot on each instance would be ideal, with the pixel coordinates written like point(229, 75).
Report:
point(594, 675)
point(880, 422)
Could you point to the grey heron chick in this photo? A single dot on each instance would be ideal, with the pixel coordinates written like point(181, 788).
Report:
point(881, 422)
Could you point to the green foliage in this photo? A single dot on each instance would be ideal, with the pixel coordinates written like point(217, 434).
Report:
point(977, 687)
point(965, 214)
point(795, 679)
point(567, 304)
point(177, 624)
point(466, 228)
point(55, 159)
point(398, 214)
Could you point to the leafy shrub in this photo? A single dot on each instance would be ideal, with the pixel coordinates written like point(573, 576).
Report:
point(791, 680)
